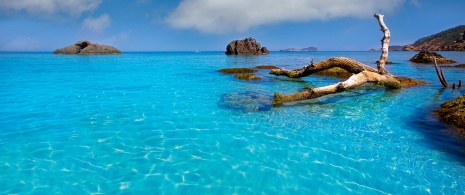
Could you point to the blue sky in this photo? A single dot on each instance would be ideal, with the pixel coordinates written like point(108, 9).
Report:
point(209, 25)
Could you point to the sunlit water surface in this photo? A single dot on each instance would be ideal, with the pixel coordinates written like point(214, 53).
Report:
point(170, 123)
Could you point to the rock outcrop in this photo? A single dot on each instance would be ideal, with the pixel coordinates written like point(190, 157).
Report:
point(426, 57)
point(86, 47)
point(453, 113)
point(452, 39)
point(248, 46)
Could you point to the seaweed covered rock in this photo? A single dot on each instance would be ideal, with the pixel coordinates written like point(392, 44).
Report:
point(237, 70)
point(266, 67)
point(248, 46)
point(247, 76)
point(426, 57)
point(241, 73)
point(453, 113)
point(86, 47)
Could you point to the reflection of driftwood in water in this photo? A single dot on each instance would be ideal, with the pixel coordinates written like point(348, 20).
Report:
point(361, 73)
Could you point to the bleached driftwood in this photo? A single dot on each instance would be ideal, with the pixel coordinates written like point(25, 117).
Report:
point(362, 73)
point(440, 74)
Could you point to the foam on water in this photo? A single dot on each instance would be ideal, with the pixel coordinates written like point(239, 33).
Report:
point(169, 123)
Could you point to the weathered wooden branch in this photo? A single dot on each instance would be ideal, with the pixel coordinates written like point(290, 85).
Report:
point(362, 73)
point(355, 80)
point(440, 74)
point(347, 64)
point(384, 43)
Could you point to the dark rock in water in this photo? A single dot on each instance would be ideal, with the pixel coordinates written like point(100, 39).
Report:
point(269, 67)
point(408, 82)
point(335, 72)
point(453, 113)
point(426, 57)
point(247, 77)
point(237, 70)
point(86, 47)
point(248, 46)
point(247, 101)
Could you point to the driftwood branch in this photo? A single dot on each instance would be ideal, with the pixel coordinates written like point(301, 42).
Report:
point(361, 73)
point(355, 80)
point(347, 64)
point(384, 43)
point(440, 74)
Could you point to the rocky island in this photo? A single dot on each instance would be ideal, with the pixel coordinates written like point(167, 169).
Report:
point(87, 48)
point(248, 46)
point(427, 57)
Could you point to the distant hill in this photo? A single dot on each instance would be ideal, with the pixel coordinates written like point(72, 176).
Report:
point(303, 49)
point(391, 48)
point(449, 40)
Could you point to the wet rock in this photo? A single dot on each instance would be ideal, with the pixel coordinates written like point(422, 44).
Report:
point(408, 82)
point(453, 113)
point(426, 57)
point(248, 46)
point(267, 67)
point(335, 72)
point(237, 70)
point(247, 76)
point(246, 101)
point(86, 47)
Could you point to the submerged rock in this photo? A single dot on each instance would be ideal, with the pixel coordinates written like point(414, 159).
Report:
point(86, 47)
point(237, 70)
point(247, 76)
point(453, 113)
point(426, 57)
point(248, 46)
point(266, 67)
point(408, 82)
point(246, 101)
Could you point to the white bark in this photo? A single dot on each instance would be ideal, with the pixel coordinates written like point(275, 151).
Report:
point(384, 43)
point(362, 73)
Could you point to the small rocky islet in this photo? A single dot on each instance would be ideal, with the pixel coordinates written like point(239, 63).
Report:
point(427, 57)
point(87, 48)
point(247, 46)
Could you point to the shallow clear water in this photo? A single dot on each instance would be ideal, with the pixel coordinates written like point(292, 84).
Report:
point(169, 123)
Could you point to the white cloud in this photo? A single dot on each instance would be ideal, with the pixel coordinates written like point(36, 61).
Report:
point(22, 44)
point(415, 3)
point(98, 24)
point(48, 8)
point(221, 16)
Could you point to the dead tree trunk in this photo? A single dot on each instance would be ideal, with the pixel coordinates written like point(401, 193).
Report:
point(362, 73)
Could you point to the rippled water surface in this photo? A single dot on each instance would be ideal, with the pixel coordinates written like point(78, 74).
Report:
point(154, 123)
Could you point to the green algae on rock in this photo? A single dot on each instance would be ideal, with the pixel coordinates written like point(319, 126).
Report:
point(268, 67)
point(335, 72)
point(453, 113)
point(237, 70)
point(247, 76)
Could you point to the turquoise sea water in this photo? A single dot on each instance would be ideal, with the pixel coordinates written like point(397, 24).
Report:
point(168, 123)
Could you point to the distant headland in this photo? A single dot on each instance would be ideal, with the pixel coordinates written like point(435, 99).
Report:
point(452, 39)
point(299, 50)
point(87, 48)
